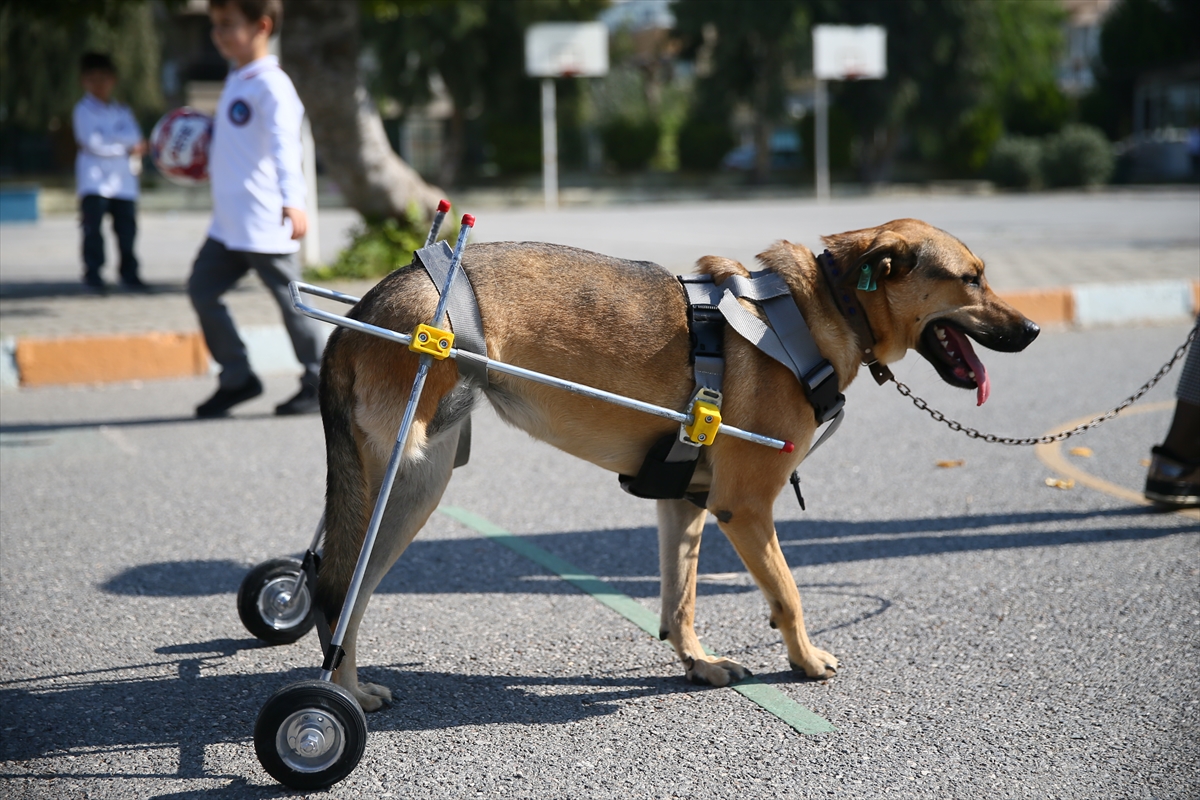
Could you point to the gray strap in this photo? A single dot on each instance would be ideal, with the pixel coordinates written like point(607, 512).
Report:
point(755, 331)
point(461, 307)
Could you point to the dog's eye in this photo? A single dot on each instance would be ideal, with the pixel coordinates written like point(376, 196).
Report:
point(971, 280)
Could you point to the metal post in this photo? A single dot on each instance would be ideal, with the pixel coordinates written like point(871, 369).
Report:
point(549, 145)
point(310, 245)
point(821, 130)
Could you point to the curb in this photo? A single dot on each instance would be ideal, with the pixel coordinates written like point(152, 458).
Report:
point(109, 358)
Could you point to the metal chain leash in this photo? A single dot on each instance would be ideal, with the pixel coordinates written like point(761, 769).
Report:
point(1058, 437)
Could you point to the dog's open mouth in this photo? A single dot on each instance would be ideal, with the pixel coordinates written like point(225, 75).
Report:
point(946, 346)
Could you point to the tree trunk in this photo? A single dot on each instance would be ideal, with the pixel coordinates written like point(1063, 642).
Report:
point(320, 44)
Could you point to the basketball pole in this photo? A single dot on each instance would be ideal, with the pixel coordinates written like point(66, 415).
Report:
point(549, 145)
point(821, 130)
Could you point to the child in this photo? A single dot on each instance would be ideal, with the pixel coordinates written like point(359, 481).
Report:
point(109, 142)
point(258, 205)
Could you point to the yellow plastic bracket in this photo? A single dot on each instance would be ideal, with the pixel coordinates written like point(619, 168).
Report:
point(431, 341)
point(706, 419)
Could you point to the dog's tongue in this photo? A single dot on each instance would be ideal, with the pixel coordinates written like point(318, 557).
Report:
point(962, 345)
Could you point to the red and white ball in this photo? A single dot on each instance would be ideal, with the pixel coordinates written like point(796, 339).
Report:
point(179, 146)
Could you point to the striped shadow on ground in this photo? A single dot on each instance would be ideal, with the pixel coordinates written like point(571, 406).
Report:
point(768, 697)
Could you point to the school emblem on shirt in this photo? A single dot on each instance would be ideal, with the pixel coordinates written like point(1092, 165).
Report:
point(239, 112)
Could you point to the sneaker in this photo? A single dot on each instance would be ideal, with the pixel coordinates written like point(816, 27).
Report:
point(306, 401)
point(219, 404)
point(1171, 482)
point(95, 284)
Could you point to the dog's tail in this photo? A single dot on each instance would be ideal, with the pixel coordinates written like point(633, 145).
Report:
point(347, 502)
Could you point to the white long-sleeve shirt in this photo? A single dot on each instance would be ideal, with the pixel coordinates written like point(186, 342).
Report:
point(254, 160)
point(106, 133)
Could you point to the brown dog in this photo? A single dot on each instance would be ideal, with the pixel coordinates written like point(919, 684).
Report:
point(572, 314)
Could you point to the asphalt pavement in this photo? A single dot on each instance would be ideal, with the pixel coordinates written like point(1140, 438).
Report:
point(998, 637)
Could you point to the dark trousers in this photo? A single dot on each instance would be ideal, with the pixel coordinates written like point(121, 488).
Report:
point(214, 273)
point(93, 207)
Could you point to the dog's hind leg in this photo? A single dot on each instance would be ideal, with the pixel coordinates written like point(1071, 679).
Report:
point(680, 524)
point(415, 495)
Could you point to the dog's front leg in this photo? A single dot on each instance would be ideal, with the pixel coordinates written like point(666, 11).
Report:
point(751, 530)
point(680, 524)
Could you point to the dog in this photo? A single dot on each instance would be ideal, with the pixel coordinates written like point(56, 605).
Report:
point(622, 326)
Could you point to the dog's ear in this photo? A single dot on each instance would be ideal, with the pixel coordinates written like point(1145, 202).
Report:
point(888, 252)
point(891, 255)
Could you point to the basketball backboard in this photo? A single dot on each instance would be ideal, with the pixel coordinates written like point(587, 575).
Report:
point(847, 52)
point(566, 49)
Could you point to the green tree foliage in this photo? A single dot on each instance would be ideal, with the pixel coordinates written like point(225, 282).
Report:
point(1138, 36)
point(40, 46)
point(960, 72)
point(477, 48)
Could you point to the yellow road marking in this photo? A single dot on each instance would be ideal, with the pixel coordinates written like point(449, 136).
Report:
point(1052, 456)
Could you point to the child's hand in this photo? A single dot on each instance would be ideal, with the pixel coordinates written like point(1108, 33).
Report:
point(139, 149)
point(299, 221)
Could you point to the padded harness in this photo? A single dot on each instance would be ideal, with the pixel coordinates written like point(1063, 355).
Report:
point(463, 311)
point(668, 467)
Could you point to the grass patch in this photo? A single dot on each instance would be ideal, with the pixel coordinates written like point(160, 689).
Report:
point(377, 247)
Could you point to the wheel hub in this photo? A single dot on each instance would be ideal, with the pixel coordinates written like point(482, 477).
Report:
point(279, 608)
point(310, 740)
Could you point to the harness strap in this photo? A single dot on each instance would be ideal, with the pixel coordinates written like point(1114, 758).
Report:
point(461, 307)
point(463, 311)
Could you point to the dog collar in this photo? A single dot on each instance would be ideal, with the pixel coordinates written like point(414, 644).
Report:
point(852, 311)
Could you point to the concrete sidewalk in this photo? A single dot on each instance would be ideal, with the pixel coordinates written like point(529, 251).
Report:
point(1063, 258)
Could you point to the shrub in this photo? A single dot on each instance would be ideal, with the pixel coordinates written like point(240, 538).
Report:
point(517, 148)
point(376, 248)
point(702, 144)
point(1079, 155)
point(1016, 162)
point(630, 144)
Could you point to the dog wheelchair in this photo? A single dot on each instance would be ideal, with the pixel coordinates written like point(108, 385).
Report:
point(312, 734)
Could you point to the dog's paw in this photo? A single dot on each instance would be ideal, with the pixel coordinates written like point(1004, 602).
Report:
point(372, 696)
point(819, 664)
point(715, 671)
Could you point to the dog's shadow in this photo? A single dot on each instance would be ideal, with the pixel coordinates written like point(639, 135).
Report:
point(187, 703)
point(626, 558)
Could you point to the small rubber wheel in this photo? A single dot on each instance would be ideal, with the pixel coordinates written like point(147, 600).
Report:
point(310, 735)
point(266, 606)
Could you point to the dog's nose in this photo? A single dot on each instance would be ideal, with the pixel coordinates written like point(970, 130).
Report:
point(1031, 332)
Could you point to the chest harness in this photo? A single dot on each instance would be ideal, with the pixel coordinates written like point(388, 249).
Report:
point(668, 468)
point(785, 337)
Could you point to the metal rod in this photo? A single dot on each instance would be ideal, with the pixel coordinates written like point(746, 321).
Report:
point(440, 215)
point(389, 478)
point(299, 584)
point(520, 372)
point(468, 222)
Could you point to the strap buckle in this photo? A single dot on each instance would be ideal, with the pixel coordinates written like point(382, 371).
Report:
point(822, 385)
point(706, 418)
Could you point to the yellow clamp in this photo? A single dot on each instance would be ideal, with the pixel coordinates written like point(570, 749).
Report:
point(431, 341)
point(706, 419)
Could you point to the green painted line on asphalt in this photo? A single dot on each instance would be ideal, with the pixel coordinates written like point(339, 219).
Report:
point(767, 697)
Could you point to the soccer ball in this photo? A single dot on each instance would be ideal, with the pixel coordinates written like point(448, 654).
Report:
point(179, 146)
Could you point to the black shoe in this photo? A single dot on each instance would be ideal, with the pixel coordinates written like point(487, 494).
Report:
point(95, 284)
point(219, 404)
point(1172, 482)
point(305, 402)
point(135, 284)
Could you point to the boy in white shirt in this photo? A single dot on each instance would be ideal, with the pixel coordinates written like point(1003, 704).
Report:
point(258, 193)
point(109, 143)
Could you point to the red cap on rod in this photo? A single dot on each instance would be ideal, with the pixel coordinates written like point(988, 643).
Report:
point(787, 447)
point(443, 206)
point(468, 220)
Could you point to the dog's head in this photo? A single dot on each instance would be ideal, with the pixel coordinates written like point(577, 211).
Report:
point(931, 297)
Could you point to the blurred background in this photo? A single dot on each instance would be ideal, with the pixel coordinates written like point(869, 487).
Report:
point(704, 96)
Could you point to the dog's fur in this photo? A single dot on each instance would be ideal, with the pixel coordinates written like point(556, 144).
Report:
point(622, 326)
